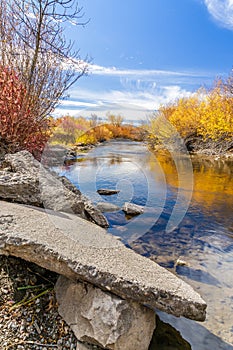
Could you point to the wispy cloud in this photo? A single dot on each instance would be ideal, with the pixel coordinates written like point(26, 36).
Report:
point(113, 71)
point(134, 93)
point(142, 99)
point(222, 11)
point(131, 104)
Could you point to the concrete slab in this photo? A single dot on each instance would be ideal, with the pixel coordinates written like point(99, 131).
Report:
point(80, 250)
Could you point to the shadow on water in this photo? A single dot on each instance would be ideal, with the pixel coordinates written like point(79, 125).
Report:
point(166, 337)
point(198, 336)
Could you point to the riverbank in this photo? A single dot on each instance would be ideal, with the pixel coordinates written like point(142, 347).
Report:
point(195, 146)
point(119, 269)
point(198, 145)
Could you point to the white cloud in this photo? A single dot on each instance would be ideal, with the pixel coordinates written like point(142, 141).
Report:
point(81, 104)
point(113, 71)
point(222, 11)
point(131, 104)
point(130, 92)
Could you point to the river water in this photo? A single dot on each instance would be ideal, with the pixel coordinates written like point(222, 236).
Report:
point(186, 226)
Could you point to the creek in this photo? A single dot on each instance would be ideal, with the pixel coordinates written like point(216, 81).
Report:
point(186, 226)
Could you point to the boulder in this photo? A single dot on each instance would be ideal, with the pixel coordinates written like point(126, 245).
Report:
point(69, 185)
point(54, 155)
point(26, 181)
point(22, 188)
point(94, 214)
point(106, 206)
point(107, 192)
point(80, 250)
point(104, 319)
point(132, 209)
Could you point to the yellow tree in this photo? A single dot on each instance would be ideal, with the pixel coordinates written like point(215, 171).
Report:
point(186, 114)
point(216, 118)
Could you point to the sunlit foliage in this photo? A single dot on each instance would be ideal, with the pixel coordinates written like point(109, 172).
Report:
point(206, 113)
point(71, 130)
point(20, 127)
point(216, 115)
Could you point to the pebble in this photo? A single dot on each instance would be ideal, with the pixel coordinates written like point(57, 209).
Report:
point(29, 326)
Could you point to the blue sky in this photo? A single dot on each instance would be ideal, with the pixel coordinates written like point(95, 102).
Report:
point(149, 53)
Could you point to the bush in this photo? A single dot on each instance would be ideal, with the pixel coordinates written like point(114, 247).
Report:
point(19, 126)
point(69, 129)
point(207, 114)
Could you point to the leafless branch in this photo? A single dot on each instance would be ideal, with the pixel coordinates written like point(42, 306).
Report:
point(32, 41)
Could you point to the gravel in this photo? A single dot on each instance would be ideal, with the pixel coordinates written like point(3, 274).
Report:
point(29, 317)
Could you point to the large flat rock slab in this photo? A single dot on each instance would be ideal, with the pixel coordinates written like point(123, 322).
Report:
point(80, 250)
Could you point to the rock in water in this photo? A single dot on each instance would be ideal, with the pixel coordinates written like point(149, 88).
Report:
point(103, 319)
point(106, 206)
point(94, 214)
point(132, 209)
point(107, 192)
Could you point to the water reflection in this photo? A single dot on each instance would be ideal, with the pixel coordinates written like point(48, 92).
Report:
point(203, 239)
point(212, 187)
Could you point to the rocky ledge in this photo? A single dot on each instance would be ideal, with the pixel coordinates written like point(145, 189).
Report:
point(24, 180)
point(80, 250)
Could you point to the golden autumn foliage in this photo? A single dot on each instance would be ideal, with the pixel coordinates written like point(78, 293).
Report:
point(105, 132)
point(216, 115)
point(208, 114)
point(186, 115)
point(70, 130)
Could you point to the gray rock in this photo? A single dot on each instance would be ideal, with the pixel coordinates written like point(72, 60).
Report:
point(27, 181)
point(94, 214)
point(106, 206)
point(132, 209)
point(54, 155)
point(107, 192)
point(69, 185)
point(22, 188)
point(86, 346)
point(103, 319)
point(78, 249)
